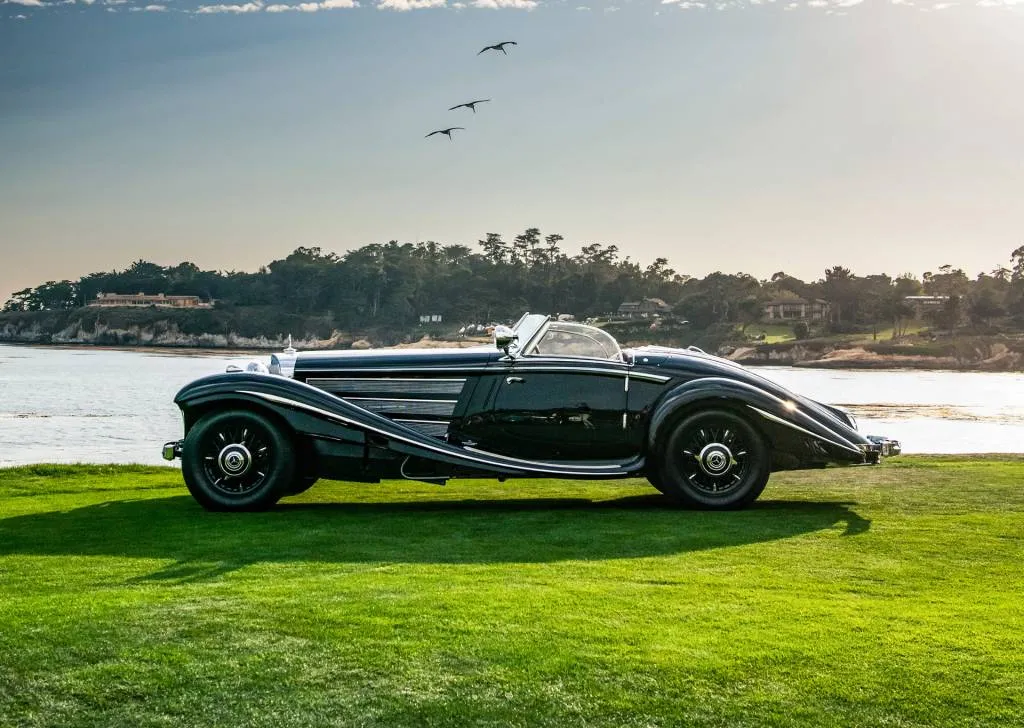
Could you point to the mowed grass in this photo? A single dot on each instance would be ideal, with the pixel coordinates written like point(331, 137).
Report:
point(884, 596)
point(773, 333)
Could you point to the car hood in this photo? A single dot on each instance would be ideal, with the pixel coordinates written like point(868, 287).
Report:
point(401, 358)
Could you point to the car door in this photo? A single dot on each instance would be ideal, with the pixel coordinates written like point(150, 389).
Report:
point(545, 408)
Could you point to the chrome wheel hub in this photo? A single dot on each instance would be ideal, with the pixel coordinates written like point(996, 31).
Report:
point(234, 460)
point(716, 459)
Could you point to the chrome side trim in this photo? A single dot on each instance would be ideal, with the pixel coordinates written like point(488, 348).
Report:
point(798, 428)
point(536, 465)
point(358, 385)
point(414, 419)
point(440, 407)
point(518, 363)
point(430, 429)
point(433, 428)
point(522, 366)
point(659, 378)
point(450, 369)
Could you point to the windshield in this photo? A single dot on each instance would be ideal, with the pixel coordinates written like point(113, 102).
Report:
point(561, 338)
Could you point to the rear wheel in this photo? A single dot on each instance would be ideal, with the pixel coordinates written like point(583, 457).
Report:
point(237, 461)
point(715, 460)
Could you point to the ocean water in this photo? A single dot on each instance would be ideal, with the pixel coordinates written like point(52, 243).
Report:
point(76, 404)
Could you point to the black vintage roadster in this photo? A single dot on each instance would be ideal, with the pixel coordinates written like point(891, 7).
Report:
point(548, 399)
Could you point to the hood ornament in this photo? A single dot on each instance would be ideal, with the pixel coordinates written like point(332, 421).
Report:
point(284, 363)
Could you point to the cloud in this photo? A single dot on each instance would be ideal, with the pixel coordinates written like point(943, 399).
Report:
point(406, 5)
point(249, 7)
point(237, 7)
point(311, 7)
point(497, 4)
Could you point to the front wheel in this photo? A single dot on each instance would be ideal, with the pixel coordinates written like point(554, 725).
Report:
point(237, 461)
point(715, 460)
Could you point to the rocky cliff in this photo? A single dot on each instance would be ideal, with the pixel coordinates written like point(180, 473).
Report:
point(969, 353)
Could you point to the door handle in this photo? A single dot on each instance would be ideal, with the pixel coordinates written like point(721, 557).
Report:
point(513, 380)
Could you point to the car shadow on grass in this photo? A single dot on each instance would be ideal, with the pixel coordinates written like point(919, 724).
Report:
point(204, 545)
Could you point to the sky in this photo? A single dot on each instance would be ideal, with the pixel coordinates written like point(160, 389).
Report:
point(733, 136)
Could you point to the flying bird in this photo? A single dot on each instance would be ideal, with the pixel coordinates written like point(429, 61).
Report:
point(469, 105)
point(499, 47)
point(447, 132)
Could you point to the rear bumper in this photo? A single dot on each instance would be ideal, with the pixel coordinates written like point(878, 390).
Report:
point(881, 447)
point(172, 450)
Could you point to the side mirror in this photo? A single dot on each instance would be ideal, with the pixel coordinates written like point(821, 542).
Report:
point(504, 337)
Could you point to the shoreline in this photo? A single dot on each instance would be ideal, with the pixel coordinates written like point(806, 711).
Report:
point(850, 359)
point(147, 348)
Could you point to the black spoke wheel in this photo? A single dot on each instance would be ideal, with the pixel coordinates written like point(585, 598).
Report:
point(237, 460)
point(713, 459)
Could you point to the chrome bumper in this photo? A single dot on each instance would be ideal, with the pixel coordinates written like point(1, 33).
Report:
point(881, 447)
point(172, 450)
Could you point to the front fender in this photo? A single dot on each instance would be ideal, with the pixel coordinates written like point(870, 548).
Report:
point(268, 393)
point(773, 412)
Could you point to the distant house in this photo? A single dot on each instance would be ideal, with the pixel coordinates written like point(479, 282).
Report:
point(926, 303)
point(797, 309)
point(430, 318)
point(646, 308)
point(141, 299)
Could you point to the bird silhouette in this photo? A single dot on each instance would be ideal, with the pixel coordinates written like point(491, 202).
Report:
point(499, 47)
point(447, 132)
point(469, 105)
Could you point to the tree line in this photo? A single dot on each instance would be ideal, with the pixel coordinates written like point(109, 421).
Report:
point(392, 284)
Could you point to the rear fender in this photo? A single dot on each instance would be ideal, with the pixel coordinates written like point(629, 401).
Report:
point(782, 420)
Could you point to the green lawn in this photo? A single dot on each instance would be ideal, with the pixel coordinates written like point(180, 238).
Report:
point(884, 333)
point(773, 333)
point(886, 596)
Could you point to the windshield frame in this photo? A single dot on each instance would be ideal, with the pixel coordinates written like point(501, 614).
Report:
point(528, 327)
point(529, 348)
